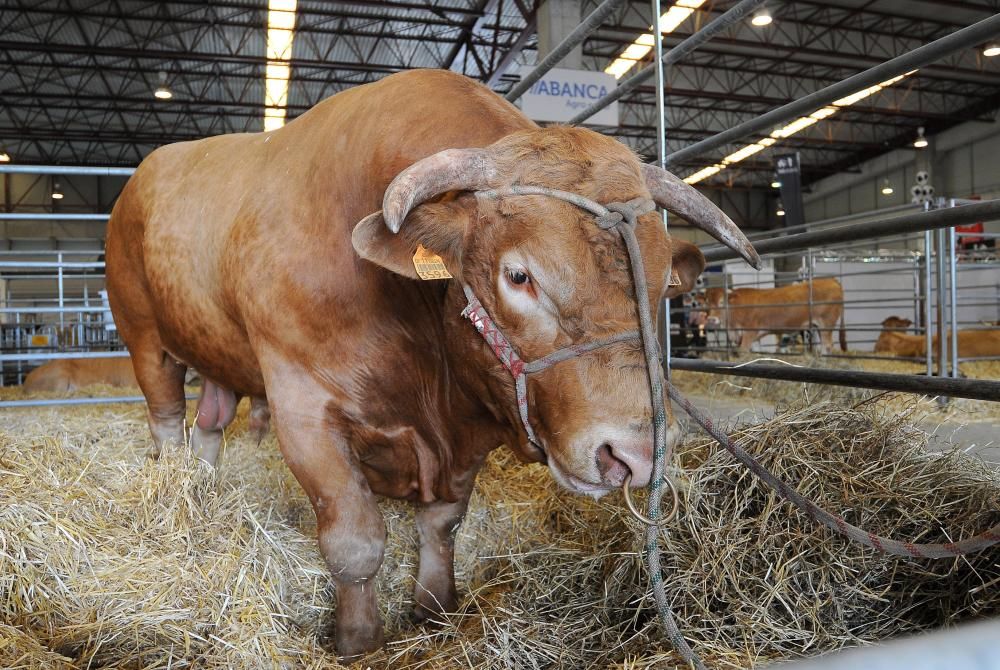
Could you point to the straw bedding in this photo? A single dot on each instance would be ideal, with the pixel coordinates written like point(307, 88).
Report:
point(108, 559)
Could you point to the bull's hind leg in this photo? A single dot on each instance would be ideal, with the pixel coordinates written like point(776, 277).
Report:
point(161, 379)
point(216, 410)
point(350, 527)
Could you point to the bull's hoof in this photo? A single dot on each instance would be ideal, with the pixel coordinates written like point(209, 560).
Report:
point(353, 644)
point(258, 433)
point(423, 616)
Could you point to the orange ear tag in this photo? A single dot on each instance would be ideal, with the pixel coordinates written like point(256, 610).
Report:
point(675, 279)
point(429, 265)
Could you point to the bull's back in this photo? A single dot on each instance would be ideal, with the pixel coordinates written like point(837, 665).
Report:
point(243, 242)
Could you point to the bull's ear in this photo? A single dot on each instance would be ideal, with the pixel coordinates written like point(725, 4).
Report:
point(438, 227)
point(687, 263)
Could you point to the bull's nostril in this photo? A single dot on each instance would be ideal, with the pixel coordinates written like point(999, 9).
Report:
point(609, 465)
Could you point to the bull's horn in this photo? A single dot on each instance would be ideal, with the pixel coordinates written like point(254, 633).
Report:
point(685, 201)
point(448, 170)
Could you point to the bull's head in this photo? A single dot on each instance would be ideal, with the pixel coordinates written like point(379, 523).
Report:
point(549, 277)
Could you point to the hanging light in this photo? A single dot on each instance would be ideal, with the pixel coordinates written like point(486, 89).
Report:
point(163, 92)
point(886, 187)
point(992, 49)
point(775, 183)
point(781, 209)
point(762, 17)
point(56, 192)
point(921, 141)
point(4, 156)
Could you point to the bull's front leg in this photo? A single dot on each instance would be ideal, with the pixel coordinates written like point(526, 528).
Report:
point(437, 524)
point(350, 527)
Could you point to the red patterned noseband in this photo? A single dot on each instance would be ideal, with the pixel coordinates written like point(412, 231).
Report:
point(519, 370)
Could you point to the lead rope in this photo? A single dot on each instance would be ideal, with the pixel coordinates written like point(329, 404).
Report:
point(622, 217)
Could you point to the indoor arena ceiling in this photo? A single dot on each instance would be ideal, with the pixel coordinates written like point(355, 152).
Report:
point(77, 76)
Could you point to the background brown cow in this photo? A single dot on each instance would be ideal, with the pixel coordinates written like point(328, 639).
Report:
point(971, 343)
point(72, 374)
point(753, 313)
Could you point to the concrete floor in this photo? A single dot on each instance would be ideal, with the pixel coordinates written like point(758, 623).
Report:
point(981, 438)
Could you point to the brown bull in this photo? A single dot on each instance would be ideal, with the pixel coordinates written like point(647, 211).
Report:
point(971, 343)
point(66, 375)
point(755, 312)
point(257, 259)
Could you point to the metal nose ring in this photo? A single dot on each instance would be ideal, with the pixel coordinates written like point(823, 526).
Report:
point(642, 518)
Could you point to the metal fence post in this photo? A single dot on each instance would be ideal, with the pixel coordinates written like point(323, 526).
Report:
point(59, 259)
point(942, 298)
point(928, 318)
point(953, 302)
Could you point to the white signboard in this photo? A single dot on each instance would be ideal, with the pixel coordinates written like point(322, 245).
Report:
point(562, 94)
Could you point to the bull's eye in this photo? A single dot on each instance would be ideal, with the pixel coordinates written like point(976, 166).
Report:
point(518, 277)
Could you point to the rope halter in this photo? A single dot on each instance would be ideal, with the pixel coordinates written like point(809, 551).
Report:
point(620, 217)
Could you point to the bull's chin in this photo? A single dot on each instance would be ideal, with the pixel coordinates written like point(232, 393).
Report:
point(575, 484)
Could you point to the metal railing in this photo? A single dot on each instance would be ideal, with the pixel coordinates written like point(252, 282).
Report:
point(933, 296)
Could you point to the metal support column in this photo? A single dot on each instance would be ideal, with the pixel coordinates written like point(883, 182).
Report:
point(582, 31)
point(661, 146)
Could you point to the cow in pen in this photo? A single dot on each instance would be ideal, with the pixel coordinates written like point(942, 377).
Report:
point(66, 375)
point(327, 265)
point(752, 313)
point(893, 340)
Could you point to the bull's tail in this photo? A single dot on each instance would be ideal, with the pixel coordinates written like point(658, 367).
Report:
point(843, 334)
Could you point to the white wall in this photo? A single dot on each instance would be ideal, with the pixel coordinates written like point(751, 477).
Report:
point(964, 161)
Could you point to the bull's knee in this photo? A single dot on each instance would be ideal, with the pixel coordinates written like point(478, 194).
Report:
point(353, 546)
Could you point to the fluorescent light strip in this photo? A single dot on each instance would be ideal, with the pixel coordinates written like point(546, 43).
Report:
point(795, 126)
point(643, 44)
point(280, 34)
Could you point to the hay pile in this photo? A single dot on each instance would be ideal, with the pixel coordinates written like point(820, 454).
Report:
point(108, 559)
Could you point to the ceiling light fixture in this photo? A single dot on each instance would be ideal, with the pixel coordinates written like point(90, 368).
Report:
point(4, 156)
point(775, 184)
point(781, 209)
point(921, 141)
point(886, 187)
point(56, 192)
point(163, 92)
point(762, 17)
point(643, 44)
point(992, 49)
point(280, 34)
point(791, 128)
